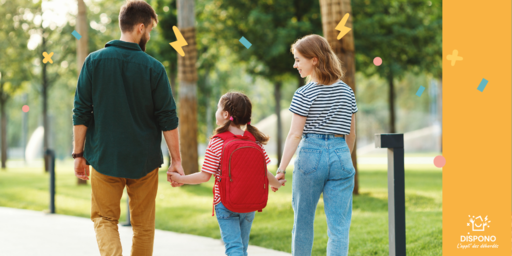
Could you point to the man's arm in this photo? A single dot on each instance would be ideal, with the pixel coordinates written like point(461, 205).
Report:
point(81, 167)
point(82, 116)
point(172, 138)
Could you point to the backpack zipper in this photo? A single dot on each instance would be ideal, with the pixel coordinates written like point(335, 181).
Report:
point(222, 153)
point(231, 180)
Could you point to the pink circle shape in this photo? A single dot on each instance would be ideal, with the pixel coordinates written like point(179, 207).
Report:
point(439, 161)
point(25, 108)
point(377, 61)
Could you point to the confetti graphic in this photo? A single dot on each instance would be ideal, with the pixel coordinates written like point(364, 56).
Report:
point(482, 85)
point(180, 41)
point(76, 34)
point(377, 61)
point(420, 91)
point(245, 42)
point(341, 26)
point(439, 161)
point(47, 57)
point(454, 57)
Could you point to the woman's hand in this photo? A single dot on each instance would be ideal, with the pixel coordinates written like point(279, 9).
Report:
point(281, 179)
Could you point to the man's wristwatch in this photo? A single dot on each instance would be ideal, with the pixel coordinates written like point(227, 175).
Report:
point(280, 171)
point(76, 155)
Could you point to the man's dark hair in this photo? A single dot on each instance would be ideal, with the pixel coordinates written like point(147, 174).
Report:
point(135, 12)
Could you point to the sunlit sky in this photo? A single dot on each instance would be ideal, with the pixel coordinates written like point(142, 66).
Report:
point(55, 14)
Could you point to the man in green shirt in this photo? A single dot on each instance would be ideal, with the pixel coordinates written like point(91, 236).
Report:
point(123, 103)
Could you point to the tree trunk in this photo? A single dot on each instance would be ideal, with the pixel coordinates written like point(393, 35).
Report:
point(187, 75)
point(391, 103)
point(82, 49)
point(173, 89)
point(277, 99)
point(332, 13)
point(45, 108)
point(173, 79)
point(3, 100)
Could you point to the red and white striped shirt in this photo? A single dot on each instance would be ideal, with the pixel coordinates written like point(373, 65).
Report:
point(212, 162)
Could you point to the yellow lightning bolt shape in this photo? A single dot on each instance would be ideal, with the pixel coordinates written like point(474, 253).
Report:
point(180, 42)
point(341, 26)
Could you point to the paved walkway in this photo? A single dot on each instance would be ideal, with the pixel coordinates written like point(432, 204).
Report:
point(24, 232)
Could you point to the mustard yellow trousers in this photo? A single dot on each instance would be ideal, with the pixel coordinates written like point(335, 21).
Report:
point(106, 210)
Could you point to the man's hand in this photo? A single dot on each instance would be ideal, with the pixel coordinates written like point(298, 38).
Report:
point(81, 168)
point(175, 177)
point(177, 168)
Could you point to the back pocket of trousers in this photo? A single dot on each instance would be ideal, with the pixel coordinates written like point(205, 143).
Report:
point(345, 161)
point(309, 159)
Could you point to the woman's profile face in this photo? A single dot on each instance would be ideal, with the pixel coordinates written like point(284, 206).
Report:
point(304, 65)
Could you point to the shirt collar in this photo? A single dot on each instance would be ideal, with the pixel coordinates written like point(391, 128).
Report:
point(123, 44)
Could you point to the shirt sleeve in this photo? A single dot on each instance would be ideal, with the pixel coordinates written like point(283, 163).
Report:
point(83, 105)
point(353, 101)
point(163, 101)
point(300, 104)
point(212, 156)
point(267, 159)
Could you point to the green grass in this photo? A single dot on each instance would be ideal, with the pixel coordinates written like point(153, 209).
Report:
point(188, 209)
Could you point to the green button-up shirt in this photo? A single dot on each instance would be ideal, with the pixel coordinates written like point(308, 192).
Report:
point(124, 98)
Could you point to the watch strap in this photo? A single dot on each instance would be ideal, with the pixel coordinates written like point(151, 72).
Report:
point(76, 155)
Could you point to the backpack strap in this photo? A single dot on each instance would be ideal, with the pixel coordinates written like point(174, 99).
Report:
point(225, 136)
point(213, 203)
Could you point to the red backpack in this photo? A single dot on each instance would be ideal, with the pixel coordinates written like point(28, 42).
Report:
point(243, 181)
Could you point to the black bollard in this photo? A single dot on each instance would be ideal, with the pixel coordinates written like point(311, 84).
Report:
point(51, 156)
point(396, 190)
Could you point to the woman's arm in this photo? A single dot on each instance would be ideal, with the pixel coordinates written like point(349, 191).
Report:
point(196, 178)
point(292, 141)
point(351, 138)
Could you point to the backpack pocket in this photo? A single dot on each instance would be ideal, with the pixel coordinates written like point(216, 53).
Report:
point(247, 186)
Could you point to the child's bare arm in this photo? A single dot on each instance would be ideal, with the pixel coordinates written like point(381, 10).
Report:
point(196, 178)
point(273, 181)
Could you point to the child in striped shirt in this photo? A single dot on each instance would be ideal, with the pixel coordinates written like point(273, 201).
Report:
point(233, 111)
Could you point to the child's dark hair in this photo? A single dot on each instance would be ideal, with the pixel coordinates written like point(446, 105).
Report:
point(239, 107)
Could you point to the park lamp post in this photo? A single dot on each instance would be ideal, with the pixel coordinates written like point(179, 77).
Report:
point(396, 190)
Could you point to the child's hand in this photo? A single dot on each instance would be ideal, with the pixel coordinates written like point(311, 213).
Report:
point(281, 182)
point(176, 177)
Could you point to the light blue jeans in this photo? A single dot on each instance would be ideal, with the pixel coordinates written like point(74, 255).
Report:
point(234, 229)
point(323, 166)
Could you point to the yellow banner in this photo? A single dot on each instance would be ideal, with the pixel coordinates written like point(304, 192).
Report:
point(477, 113)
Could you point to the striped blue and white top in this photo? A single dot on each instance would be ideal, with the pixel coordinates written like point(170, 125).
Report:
point(328, 108)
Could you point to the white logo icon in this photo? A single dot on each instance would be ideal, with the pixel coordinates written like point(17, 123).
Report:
point(478, 224)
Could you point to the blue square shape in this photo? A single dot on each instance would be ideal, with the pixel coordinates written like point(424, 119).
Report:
point(482, 85)
point(246, 43)
point(76, 35)
point(420, 91)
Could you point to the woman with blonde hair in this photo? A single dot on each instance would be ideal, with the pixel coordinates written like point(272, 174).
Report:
point(323, 128)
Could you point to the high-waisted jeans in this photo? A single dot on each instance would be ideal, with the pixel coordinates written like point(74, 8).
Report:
point(323, 165)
